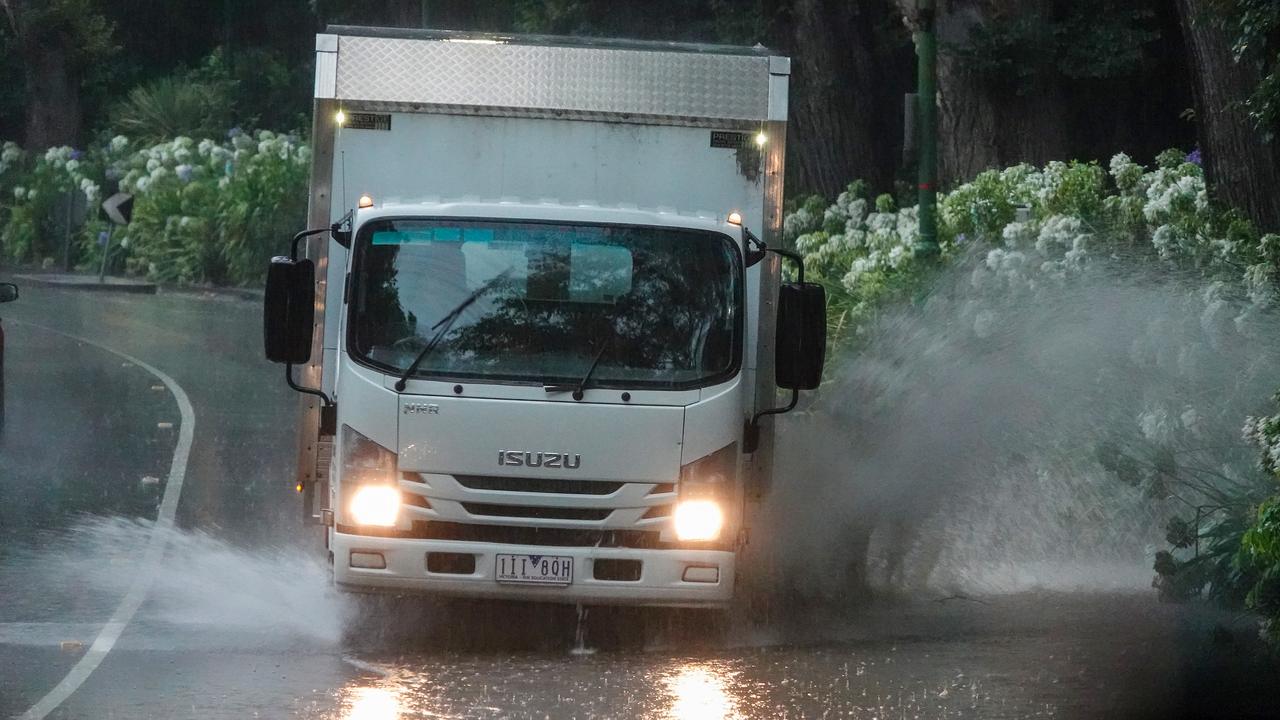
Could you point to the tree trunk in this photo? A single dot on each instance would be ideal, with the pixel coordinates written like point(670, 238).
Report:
point(846, 95)
point(53, 95)
point(1241, 168)
point(986, 122)
point(51, 77)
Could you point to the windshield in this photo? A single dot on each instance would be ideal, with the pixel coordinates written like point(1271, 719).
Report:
point(548, 298)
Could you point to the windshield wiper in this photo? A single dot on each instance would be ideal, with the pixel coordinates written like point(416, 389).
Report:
point(581, 386)
point(447, 322)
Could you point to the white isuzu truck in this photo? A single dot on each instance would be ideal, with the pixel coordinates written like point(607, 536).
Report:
point(539, 318)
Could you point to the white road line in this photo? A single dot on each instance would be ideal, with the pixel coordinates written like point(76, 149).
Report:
point(155, 546)
point(366, 667)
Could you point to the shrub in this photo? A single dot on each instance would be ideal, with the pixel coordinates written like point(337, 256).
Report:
point(173, 107)
point(204, 211)
point(1031, 228)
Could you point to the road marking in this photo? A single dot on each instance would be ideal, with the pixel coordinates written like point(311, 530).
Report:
point(365, 666)
point(128, 607)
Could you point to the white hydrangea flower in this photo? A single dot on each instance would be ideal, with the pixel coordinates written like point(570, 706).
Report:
point(90, 190)
point(857, 269)
point(1059, 231)
point(1166, 242)
point(119, 143)
point(11, 153)
point(1018, 234)
point(19, 193)
point(878, 222)
point(798, 223)
point(808, 243)
point(898, 255)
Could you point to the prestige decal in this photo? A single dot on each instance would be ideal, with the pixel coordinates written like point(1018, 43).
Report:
point(526, 458)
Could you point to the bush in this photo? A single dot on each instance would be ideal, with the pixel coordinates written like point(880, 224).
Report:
point(31, 188)
point(1025, 228)
point(173, 107)
point(204, 211)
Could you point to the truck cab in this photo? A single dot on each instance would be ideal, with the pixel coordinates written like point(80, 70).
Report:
point(533, 326)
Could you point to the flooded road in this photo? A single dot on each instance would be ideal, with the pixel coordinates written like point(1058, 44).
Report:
point(238, 620)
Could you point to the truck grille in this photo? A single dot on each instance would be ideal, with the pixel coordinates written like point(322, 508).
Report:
point(536, 510)
point(521, 535)
point(538, 485)
point(548, 513)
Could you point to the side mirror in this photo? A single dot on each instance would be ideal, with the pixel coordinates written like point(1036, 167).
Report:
point(289, 310)
point(8, 292)
point(802, 336)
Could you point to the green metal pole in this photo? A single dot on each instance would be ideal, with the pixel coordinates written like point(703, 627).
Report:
point(927, 94)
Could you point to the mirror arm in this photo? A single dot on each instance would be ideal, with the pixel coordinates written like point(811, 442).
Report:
point(288, 367)
point(328, 411)
point(297, 240)
point(756, 255)
point(751, 435)
point(340, 236)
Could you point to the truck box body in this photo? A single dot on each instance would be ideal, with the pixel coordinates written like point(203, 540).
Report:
point(602, 177)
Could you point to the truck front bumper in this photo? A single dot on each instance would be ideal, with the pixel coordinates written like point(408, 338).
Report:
point(662, 580)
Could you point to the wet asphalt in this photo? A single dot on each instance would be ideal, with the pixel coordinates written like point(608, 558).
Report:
point(241, 624)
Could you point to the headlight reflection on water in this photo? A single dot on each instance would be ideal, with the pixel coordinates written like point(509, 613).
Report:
point(701, 692)
point(372, 703)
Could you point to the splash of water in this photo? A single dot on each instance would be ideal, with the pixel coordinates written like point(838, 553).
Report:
point(205, 590)
point(1029, 438)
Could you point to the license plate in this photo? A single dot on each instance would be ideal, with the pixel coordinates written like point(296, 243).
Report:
point(535, 569)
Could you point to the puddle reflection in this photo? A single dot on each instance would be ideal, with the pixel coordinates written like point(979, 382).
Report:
point(372, 703)
point(701, 692)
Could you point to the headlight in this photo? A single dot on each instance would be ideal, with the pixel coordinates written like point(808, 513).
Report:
point(706, 485)
point(698, 520)
point(369, 480)
point(375, 505)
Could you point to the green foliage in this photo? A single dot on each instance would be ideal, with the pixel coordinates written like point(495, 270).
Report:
point(1255, 25)
point(205, 212)
point(727, 21)
point(173, 107)
point(1093, 39)
point(31, 187)
point(78, 23)
point(1031, 227)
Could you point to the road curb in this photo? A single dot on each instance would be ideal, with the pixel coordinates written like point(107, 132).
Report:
point(88, 282)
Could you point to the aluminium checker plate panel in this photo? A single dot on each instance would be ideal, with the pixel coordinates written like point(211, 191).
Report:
point(580, 81)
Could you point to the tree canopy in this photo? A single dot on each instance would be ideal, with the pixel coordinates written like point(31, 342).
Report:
point(1029, 80)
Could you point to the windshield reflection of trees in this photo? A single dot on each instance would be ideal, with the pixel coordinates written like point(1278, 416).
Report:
point(676, 323)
